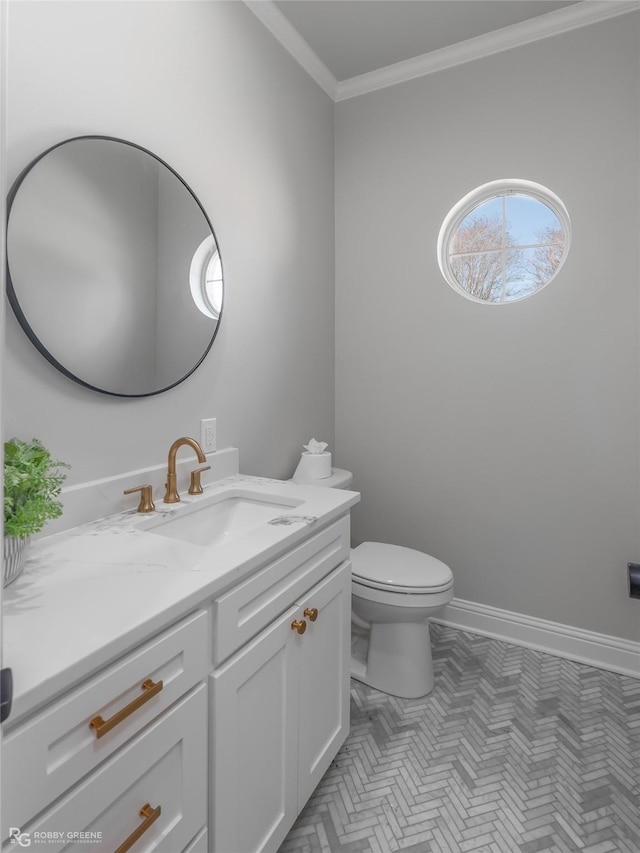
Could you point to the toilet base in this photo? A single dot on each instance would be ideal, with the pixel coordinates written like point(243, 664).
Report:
point(398, 659)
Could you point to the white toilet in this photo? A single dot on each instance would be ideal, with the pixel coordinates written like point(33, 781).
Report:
point(393, 592)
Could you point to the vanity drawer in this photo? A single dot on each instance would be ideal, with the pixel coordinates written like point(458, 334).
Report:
point(47, 755)
point(199, 844)
point(246, 609)
point(156, 782)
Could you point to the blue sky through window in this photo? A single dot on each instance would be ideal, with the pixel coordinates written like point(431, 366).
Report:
point(528, 221)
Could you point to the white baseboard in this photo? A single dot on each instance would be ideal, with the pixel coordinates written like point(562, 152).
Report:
point(565, 641)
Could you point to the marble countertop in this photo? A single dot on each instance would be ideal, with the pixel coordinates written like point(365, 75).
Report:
point(90, 593)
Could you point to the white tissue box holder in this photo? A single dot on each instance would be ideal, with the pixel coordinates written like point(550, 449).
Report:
point(313, 466)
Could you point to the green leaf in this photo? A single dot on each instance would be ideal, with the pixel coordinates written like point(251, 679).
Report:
point(32, 482)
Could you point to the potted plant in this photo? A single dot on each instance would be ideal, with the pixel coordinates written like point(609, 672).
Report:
point(32, 482)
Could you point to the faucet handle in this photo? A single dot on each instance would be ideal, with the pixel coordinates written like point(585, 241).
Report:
point(195, 486)
point(146, 497)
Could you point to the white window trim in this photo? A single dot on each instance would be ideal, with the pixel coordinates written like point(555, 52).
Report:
point(503, 187)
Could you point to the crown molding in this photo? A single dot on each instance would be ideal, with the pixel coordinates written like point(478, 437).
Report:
point(292, 41)
point(551, 24)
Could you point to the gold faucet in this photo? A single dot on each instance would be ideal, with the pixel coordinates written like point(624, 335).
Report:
point(146, 503)
point(171, 495)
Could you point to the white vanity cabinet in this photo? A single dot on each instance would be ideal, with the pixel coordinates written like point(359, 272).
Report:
point(197, 712)
point(123, 756)
point(280, 712)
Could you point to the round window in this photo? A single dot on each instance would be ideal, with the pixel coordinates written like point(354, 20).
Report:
point(504, 241)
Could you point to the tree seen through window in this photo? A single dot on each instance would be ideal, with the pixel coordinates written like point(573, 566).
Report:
point(506, 248)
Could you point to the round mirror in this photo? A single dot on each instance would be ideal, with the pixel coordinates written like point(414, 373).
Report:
point(114, 271)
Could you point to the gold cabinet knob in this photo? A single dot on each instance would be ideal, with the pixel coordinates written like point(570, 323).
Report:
point(311, 613)
point(299, 626)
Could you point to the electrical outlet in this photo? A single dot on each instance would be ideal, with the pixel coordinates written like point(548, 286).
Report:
point(208, 435)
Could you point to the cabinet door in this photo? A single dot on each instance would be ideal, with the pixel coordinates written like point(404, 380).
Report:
point(324, 659)
point(255, 741)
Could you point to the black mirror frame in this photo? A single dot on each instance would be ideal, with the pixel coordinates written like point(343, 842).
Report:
point(13, 299)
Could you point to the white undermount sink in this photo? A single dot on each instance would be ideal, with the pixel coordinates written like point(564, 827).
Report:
point(220, 518)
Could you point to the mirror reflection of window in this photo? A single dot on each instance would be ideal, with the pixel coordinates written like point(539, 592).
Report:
point(213, 284)
point(205, 278)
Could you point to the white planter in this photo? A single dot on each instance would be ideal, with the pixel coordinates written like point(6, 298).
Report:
point(15, 555)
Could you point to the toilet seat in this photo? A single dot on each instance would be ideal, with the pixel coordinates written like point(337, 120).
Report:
point(399, 570)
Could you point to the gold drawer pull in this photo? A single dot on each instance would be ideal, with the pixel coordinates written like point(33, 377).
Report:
point(311, 613)
point(300, 626)
point(150, 816)
point(149, 689)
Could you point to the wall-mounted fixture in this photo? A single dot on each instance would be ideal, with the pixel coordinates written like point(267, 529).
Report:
point(104, 246)
point(633, 575)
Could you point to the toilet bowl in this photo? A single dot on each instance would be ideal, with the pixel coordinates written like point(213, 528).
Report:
point(394, 590)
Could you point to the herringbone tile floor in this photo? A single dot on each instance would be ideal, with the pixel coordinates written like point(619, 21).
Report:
point(514, 751)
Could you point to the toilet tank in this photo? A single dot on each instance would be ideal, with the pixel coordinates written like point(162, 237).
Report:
point(340, 479)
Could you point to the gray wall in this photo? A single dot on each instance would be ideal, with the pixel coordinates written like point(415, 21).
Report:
point(502, 440)
point(206, 88)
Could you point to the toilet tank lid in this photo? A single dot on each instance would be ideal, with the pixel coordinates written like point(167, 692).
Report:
point(340, 478)
point(397, 566)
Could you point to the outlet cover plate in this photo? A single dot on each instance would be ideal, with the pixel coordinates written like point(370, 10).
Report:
point(208, 435)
